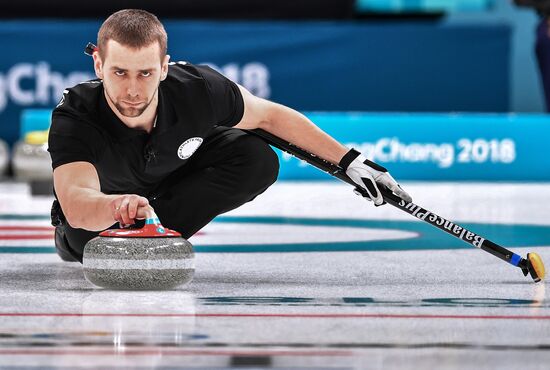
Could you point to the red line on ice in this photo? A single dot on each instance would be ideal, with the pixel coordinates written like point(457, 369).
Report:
point(26, 236)
point(32, 232)
point(26, 228)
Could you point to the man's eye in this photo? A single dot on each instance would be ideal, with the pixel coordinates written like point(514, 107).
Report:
point(119, 73)
point(146, 74)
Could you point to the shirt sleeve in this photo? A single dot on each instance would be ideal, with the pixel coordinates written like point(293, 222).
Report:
point(226, 97)
point(71, 140)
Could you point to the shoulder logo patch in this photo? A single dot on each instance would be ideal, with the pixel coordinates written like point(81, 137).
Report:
point(189, 147)
point(65, 92)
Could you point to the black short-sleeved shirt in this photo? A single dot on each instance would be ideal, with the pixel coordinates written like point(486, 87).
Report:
point(192, 100)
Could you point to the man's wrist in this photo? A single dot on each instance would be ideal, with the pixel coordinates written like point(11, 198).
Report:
point(349, 157)
point(353, 155)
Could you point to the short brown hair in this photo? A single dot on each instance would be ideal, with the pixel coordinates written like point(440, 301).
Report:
point(135, 28)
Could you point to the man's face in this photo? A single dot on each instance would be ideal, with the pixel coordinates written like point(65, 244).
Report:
point(131, 76)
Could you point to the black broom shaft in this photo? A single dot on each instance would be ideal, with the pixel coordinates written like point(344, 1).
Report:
point(390, 198)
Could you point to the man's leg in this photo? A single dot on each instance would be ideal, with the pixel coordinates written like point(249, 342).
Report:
point(69, 242)
point(229, 169)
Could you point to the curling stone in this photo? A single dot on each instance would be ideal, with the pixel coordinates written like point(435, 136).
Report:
point(31, 160)
point(150, 258)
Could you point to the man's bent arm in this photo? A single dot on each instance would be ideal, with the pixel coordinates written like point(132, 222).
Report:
point(78, 191)
point(289, 125)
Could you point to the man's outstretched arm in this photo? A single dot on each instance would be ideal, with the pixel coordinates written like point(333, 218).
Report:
point(297, 129)
point(289, 125)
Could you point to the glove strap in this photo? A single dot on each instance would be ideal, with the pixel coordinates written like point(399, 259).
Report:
point(376, 166)
point(350, 157)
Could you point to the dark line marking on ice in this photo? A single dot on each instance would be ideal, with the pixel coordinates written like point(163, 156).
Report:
point(327, 348)
point(251, 361)
point(284, 316)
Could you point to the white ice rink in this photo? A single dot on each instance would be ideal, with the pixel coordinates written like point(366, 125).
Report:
point(308, 276)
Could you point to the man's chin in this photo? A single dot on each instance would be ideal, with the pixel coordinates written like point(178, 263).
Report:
point(131, 112)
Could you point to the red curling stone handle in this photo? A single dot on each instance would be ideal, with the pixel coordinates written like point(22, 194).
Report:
point(151, 229)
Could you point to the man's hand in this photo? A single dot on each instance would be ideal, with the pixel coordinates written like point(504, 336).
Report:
point(368, 175)
point(126, 208)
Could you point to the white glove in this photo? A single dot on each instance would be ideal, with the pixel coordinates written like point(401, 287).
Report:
point(367, 174)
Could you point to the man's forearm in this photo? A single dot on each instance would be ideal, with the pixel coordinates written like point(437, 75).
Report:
point(89, 209)
point(297, 129)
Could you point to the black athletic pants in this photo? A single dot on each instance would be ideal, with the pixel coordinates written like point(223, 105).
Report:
point(229, 169)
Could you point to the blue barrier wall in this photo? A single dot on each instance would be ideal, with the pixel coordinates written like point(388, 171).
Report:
point(526, 94)
point(342, 66)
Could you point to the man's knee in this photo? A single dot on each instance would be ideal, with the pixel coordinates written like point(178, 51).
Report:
point(259, 163)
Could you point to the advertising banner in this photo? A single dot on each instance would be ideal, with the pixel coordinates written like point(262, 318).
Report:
point(476, 147)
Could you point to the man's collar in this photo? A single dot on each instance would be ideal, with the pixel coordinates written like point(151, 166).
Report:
point(166, 114)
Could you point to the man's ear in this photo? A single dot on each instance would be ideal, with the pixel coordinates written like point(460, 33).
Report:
point(98, 65)
point(164, 68)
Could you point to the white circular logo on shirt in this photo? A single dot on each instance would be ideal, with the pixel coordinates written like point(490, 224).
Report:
point(189, 147)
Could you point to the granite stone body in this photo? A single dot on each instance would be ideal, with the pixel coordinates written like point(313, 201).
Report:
point(4, 157)
point(138, 263)
point(31, 161)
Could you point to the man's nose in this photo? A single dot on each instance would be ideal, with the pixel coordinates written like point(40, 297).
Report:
point(132, 88)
